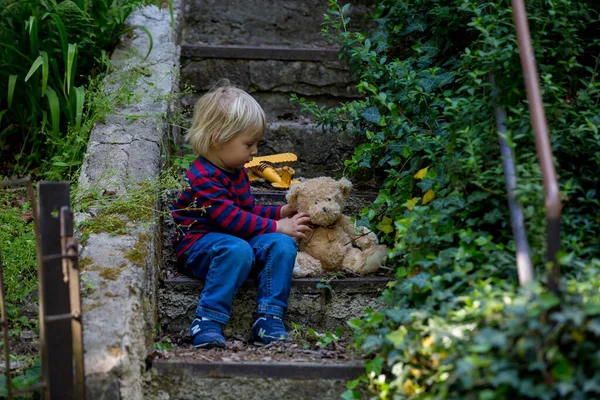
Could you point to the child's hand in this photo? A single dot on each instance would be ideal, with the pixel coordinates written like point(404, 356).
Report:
point(287, 211)
point(296, 226)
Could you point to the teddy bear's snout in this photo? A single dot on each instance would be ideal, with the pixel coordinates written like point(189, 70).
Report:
point(324, 215)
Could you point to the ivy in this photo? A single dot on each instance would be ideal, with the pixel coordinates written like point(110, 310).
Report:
point(455, 323)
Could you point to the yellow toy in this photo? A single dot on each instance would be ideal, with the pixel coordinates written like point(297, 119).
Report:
point(261, 167)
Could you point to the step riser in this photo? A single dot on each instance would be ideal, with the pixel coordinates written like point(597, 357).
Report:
point(193, 388)
point(311, 308)
point(277, 106)
point(307, 78)
point(256, 22)
point(272, 82)
point(320, 152)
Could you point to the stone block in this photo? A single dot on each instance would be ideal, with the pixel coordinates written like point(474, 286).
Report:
point(263, 22)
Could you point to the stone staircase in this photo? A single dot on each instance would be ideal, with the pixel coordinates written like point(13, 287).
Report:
point(270, 49)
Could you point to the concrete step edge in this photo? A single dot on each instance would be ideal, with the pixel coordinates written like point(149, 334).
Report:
point(307, 285)
point(279, 370)
point(259, 52)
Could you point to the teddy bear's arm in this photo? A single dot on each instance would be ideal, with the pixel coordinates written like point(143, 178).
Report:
point(361, 237)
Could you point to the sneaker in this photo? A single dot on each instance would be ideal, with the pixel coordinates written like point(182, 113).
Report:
point(267, 329)
point(206, 334)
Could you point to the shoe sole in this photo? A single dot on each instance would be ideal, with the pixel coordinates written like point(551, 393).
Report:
point(260, 343)
point(209, 345)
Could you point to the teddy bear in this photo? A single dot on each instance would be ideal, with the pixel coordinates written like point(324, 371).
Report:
point(335, 242)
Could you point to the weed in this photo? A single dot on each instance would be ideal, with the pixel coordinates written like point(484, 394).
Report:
point(87, 287)
point(165, 344)
point(325, 283)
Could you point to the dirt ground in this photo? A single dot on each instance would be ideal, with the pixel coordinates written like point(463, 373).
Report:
point(295, 350)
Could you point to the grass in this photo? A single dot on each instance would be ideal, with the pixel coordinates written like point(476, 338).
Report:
point(17, 243)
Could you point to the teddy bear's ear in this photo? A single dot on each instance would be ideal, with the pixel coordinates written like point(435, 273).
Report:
point(292, 194)
point(345, 186)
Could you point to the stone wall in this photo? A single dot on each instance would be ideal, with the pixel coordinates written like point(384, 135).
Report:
point(120, 298)
point(261, 22)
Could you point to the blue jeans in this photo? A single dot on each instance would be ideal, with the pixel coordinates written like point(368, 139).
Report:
point(225, 261)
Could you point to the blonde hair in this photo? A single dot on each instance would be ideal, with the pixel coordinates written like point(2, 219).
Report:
point(220, 115)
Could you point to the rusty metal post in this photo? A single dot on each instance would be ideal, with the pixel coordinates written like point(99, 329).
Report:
point(542, 140)
point(55, 316)
point(71, 263)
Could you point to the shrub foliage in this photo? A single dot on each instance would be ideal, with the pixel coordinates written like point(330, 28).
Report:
point(48, 49)
point(455, 323)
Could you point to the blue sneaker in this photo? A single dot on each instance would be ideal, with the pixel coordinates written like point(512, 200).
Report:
point(267, 329)
point(206, 334)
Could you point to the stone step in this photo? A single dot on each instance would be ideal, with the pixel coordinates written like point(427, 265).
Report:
point(262, 22)
point(270, 74)
point(313, 303)
point(321, 152)
point(184, 379)
point(354, 204)
point(258, 52)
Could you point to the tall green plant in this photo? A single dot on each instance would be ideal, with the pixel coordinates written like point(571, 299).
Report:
point(47, 50)
point(430, 137)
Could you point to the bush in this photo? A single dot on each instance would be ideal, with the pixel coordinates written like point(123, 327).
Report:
point(429, 136)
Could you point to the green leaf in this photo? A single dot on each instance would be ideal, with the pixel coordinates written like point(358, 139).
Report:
point(548, 300)
point(79, 101)
point(562, 371)
point(33, 35)
point(147, 32)
point(371, 114)
point(349, 394)
point(591, 309)
point(70, 69)
point(54, 106)
point(12, 80)
point(36, 64)
point(354, 323)
point(62, 34)
point(480, 348)
point(481, 240)
point(385, 225)
point(45, 72)
point(397, 337)
point(375, 365)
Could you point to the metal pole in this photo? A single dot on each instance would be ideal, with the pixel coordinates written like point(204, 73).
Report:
point(71, 263)
point(542, 140)
point(524, 267)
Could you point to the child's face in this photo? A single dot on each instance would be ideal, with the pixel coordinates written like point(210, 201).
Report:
point(236, 152)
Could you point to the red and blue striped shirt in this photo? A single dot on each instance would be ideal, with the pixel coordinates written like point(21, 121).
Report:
point(215, 200)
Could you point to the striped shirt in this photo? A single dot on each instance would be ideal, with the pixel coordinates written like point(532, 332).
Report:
point(215, 200)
